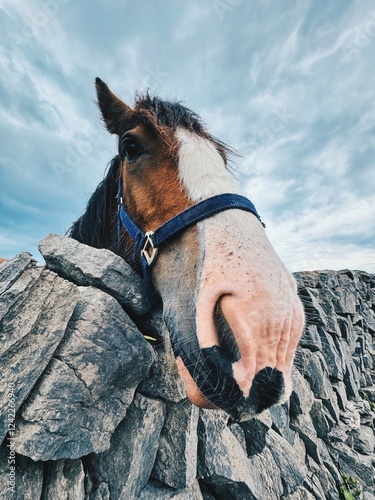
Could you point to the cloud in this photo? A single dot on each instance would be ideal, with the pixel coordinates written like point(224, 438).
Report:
point(289, 85)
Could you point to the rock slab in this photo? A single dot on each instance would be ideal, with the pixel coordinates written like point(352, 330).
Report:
point(36, 306)
point(100, 268)
point(88, 385)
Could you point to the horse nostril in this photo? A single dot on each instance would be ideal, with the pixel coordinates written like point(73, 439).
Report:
point(267, 388)
point(225, 335)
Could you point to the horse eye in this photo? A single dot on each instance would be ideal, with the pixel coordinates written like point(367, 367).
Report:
point(130, 149)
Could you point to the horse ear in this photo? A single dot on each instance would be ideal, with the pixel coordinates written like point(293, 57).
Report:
point(112, 108)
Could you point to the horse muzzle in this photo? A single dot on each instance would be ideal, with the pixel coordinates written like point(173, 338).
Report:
point(267, 388)
point(227, 377)
point(233, 330)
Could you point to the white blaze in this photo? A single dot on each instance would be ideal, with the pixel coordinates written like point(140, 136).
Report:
point(202, 170)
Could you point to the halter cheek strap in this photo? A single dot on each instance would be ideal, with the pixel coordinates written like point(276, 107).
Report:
point(149, 242)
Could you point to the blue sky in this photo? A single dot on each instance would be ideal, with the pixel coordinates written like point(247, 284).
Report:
point(289, 84)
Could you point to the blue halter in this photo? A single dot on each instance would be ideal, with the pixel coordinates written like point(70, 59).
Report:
point(149, 242)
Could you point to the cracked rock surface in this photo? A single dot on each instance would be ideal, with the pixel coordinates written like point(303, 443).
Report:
point(90, 410)
point(88, 385)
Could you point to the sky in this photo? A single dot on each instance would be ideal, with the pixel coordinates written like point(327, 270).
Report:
point(289, 84)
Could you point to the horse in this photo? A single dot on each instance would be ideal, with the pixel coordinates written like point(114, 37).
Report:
point(171, 208)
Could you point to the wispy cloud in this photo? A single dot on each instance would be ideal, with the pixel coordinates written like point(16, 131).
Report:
point(288, 84)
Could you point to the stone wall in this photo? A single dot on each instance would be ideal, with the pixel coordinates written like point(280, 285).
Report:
point(91, 407)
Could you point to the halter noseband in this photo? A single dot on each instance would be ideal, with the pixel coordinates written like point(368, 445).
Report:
point(149, 242)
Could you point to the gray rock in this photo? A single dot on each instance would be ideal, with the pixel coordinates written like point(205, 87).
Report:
point(364, 440)
point(270, 474)
point(345, 301)
point(222, 463)
point(322, 420)
point(238, 432)
point(351, 379)
point(330, 467)
point(367, 414)
point(310, 338)
point(368, 315)
point(280, 416)
point(338, 434)
point(20, 477)
point(317, 376)
point(101, 268)
point(65, 480)
point(353, 463)
point(328, 279)
point(307, 279)
point(127, 465)
point(320, 483)
point(292, 471)
point(331, 356)
point(206, 492)
point(340, 390)
point(12, 269)
point(176, 460)
point(347, 332)
point(101, 493)
point(302, 494)
point(351, 417)
point(157, 491)
point(301, 404)
point(326, 297)
point(255, 431)
point(37, 309)
point(164, 380)
point(369, 392)
point(313, 307)
point(89, 384)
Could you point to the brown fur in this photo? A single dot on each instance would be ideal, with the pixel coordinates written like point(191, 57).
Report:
point(152, 191)
point(151, 187)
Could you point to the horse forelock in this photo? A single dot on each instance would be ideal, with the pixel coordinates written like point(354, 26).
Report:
point(166, 117)
point(170, 114)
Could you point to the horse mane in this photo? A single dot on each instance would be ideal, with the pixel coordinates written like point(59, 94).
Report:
point(97, 227)
point(170, 114)
point(163, 114)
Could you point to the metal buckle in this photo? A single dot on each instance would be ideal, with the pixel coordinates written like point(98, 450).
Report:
point(148, 251)
point(119, 202)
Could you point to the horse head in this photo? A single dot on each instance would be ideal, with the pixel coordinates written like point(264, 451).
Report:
point(230, 304)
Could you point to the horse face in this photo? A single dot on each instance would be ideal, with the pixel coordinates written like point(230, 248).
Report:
point(229, 303)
